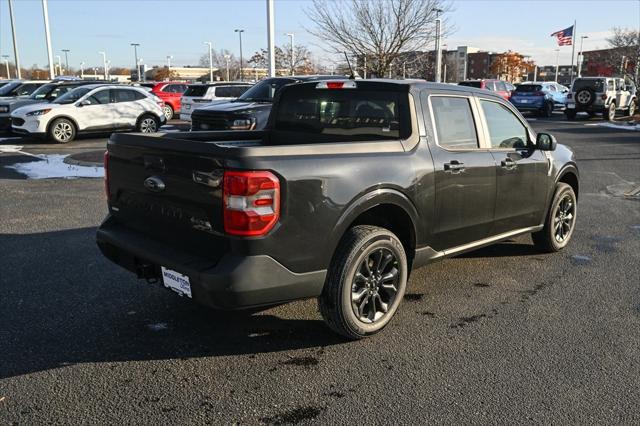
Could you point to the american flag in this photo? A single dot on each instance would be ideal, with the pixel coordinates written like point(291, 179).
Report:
point(565, 37)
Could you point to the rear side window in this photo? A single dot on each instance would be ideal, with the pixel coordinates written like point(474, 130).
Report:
point(196, 90)
point(230, 91)
point(349, 114)
point(500, 86)
point(454, 125)
point(123, 95)
point(489, 85)
point(505, 130)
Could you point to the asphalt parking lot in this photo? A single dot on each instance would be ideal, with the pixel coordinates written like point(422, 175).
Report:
point(500, 335)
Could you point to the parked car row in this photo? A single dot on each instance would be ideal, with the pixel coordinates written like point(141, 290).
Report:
point(593, 95)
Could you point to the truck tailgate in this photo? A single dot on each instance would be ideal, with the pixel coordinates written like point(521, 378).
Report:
point(167, 193)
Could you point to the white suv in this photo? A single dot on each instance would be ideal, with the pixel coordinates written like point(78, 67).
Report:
point(198, 95)
point(91, 108)
point(605, 95)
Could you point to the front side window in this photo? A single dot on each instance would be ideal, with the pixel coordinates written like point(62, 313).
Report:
point(230, 91)
point(265, 90)
point(454, 125)
point(101, 97)
point(505, 130)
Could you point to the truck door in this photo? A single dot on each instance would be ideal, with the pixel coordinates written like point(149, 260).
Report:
point(465, 175)
point(521, 170)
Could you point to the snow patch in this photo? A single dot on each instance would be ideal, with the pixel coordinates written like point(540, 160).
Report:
point(53, 166)
point(633, 127)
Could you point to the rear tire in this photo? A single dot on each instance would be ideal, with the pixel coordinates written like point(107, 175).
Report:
point(560, 221)
point(62, 130)
point(632, 108)
point(148, 123)
point(610, 113)
point(548, 110)
point(365, 283)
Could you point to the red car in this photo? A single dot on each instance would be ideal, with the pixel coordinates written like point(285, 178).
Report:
point(171, 93)
point(502, 88)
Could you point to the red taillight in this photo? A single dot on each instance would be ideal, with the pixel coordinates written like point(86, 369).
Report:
point(603, 97)
point(106, 174)
point(251, 202)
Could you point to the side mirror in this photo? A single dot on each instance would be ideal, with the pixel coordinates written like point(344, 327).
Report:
point(546, 142)
point(83, 103)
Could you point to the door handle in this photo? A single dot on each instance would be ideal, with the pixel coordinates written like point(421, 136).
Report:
point(454, 167)
point(508, 164)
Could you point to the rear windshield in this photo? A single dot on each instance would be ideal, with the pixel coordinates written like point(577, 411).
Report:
point(528, 88)
point(265, 90)
point(477, 84)
point(322, 115)
point(595, 85)
point(196, 90)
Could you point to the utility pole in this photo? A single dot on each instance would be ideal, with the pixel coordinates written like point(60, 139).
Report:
point(557, 63)
point(535, 74)
point(66, 59)
point(109, 70)
point(6, 64)
point(438, 47)
point(270, 39)
point(581, 56)
point(169, 58)
point(141, 67)
point(211, 61)
point(239, 31)
point(291, 36)
point(47, 33)
point(82, 70)
point(135, 56)
point(15, 43)
point(59, 64)
point(227, 57)
point(573, 51)
point(104, 64)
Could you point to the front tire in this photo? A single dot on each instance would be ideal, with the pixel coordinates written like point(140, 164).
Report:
point(632, 108)
point(168, 111)
point(365, 283)
point(610, 113)
point(560, 221)
point(148, 124)
point(62, 130)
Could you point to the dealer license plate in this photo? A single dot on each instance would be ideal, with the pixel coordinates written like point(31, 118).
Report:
point(571, 106)
point(176, 282)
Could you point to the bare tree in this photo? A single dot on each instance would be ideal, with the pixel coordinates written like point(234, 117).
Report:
point(220, 62)
point(625, 52)
point(302, 61)
point(381, 30)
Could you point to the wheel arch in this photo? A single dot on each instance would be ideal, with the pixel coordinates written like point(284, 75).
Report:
point(569, 175)
point(72, 120)
point(387, 208)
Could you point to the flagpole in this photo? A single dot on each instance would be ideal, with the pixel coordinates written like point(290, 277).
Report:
point(573, 51)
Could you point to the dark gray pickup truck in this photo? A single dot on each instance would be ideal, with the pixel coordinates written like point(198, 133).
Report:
point(351, 185)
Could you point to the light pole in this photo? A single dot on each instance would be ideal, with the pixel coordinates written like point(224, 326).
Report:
point(82, 70)
point(270, 39)
point(95, 73)
point(169, 58)
point(438, 48)
point(109, 69)
point(104, 64)
point(291, 36)
point(557, 63)
point(59, 64)
point(141, 69)
point(581, 56)
point(66, 58)
point(135, 57)
point(211, 61)
point(47, 34)
point(239, 31)
point(15, 43)
point(6, 64)
point(227, 57)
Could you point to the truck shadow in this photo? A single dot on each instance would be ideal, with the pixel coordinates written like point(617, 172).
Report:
point(62, 303)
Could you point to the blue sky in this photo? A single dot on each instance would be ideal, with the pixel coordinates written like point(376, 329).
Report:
point(179, 28)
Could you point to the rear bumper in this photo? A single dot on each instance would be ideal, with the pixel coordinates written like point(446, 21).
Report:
point(234, 282)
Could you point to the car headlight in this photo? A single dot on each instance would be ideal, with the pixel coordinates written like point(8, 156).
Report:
point(4, 108)
point(38, 112)
point(243, 124)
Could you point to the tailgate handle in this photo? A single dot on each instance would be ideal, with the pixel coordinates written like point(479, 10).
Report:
point(154, 163)
point(212, 179)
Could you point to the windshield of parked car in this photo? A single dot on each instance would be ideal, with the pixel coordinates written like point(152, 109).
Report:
point(7, 88)
point(593, 84)
point(265, 90)
point(528, 88)
point(43, 91)
point(72, 96)
point(328, 115)
point(477, 84)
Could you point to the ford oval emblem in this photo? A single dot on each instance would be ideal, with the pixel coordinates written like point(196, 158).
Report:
point(154, 184)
